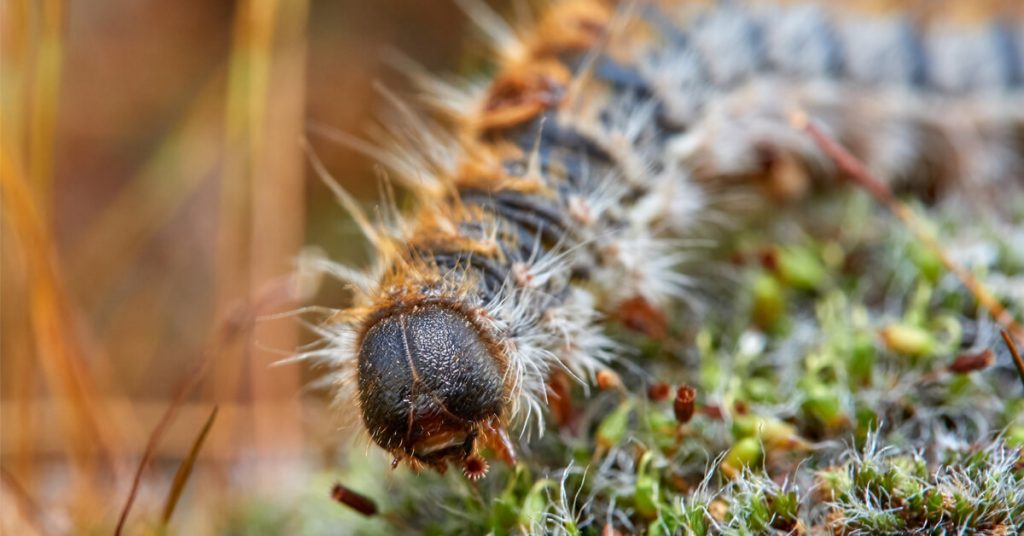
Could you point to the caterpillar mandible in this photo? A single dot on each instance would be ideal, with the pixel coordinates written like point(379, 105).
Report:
point(559, 186)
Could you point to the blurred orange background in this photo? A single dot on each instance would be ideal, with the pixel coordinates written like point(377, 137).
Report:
point(155, 197)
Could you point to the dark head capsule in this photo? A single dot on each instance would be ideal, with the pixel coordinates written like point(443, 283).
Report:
point(428, 381)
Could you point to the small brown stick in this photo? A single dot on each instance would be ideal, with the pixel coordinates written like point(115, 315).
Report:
point(857, 173)
point(356, 501)
point(1013, 351)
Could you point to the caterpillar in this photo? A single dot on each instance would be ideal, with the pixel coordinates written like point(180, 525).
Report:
point(558, 188)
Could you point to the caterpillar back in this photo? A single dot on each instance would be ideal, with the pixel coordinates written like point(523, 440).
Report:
point(559, 189)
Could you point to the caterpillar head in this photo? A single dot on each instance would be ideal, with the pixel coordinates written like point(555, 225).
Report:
point(430, 386)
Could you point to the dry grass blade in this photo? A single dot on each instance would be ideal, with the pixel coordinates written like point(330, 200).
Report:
point(856, 172)
point(183, 391)
point(262, 176)
point(24, 504)
point(278, 189)
point(185, 469)
point(1017, 360)
point(56, 339)
point(229, 330)
point(46, 96)
point(54, 321)
point(238, 322)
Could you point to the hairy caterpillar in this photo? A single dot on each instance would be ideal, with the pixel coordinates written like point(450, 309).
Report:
point(559, 187)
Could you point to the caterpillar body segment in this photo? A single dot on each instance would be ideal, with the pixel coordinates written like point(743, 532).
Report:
point(560, 187)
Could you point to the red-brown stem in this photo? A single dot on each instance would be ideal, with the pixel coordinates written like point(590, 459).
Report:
point(1011, 344)
point(857, 173)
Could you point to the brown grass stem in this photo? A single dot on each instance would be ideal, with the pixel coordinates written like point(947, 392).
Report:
point(1017, 360)
point(859, 175)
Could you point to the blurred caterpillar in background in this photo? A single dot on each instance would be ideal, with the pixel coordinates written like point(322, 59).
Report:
point(559, 188)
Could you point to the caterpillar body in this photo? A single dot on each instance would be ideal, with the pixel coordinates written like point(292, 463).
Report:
point(561, 185)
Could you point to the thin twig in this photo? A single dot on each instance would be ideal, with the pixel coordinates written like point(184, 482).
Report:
point(857, 173)
point(1010, 343)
